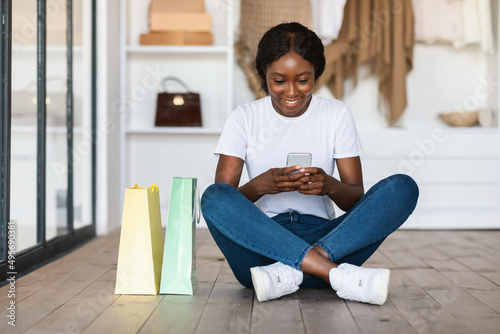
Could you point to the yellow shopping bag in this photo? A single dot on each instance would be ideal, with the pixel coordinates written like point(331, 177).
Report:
point(140, 253)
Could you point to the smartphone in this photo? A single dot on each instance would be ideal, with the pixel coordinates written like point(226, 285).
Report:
point(302, 159)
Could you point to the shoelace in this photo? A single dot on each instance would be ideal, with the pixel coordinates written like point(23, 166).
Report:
point(353, 282)
point(285, 279)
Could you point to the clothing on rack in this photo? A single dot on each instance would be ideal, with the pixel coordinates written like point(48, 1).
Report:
point(258, 16)
point(478, 27)
point(327, 18)
point(375, 32)
point(458, 22)
point(379, 33)
point(438, 20)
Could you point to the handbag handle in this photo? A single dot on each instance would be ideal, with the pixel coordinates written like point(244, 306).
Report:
point(172, 78)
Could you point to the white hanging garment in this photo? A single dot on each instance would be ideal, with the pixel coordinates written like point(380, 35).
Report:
point(477, 25)
point(327, 17)
point(438, 20)
point(485, 15)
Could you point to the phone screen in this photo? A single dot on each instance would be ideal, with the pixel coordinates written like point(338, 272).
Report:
point(302, 159)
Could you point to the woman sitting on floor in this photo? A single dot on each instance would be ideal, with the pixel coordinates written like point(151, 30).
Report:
point(278, 231)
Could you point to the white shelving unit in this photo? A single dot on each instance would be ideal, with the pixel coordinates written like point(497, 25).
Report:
point(150, 154)
point(221, 49)
point(175, 130)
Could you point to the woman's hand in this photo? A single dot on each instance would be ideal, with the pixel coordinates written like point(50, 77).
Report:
point(345, 192)
point(273, 181)
point(278, 180)
point(316, 182)
point(309, 181)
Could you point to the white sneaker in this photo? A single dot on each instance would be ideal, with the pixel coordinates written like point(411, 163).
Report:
point(360, 284)
point(275, 280)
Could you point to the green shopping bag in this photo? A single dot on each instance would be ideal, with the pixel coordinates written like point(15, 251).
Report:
point(179, 256)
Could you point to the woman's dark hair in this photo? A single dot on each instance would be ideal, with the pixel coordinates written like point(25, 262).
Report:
point(284, 38)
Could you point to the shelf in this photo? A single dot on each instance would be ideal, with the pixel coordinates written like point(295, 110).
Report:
point(362, 128)
point(175, 130)
point(197, 49)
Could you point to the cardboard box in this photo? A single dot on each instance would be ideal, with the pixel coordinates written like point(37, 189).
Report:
point(163, 6)
point(177, 38)
point(179, 21)
point(24, 24)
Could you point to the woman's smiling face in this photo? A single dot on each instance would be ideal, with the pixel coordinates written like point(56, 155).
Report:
point(290, 81)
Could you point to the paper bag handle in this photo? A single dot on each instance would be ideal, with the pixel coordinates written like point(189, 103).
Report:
point(153, 186)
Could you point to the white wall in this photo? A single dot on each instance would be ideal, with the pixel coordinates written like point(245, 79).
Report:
point(108, 204)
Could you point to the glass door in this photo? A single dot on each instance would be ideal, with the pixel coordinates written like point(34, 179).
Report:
point(47, 56)
point(23, 139)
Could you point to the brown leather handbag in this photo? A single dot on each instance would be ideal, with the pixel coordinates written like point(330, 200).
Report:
point(178, 109)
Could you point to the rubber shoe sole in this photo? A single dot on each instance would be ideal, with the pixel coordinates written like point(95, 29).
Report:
point(258, 284)
point(381, 285)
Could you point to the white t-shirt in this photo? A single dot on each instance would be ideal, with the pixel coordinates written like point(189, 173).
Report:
point(260, 136)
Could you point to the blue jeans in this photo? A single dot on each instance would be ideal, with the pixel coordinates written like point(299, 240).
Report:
point(249, 238)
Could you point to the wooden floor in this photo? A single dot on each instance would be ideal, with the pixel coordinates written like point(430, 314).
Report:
point(441, 282)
